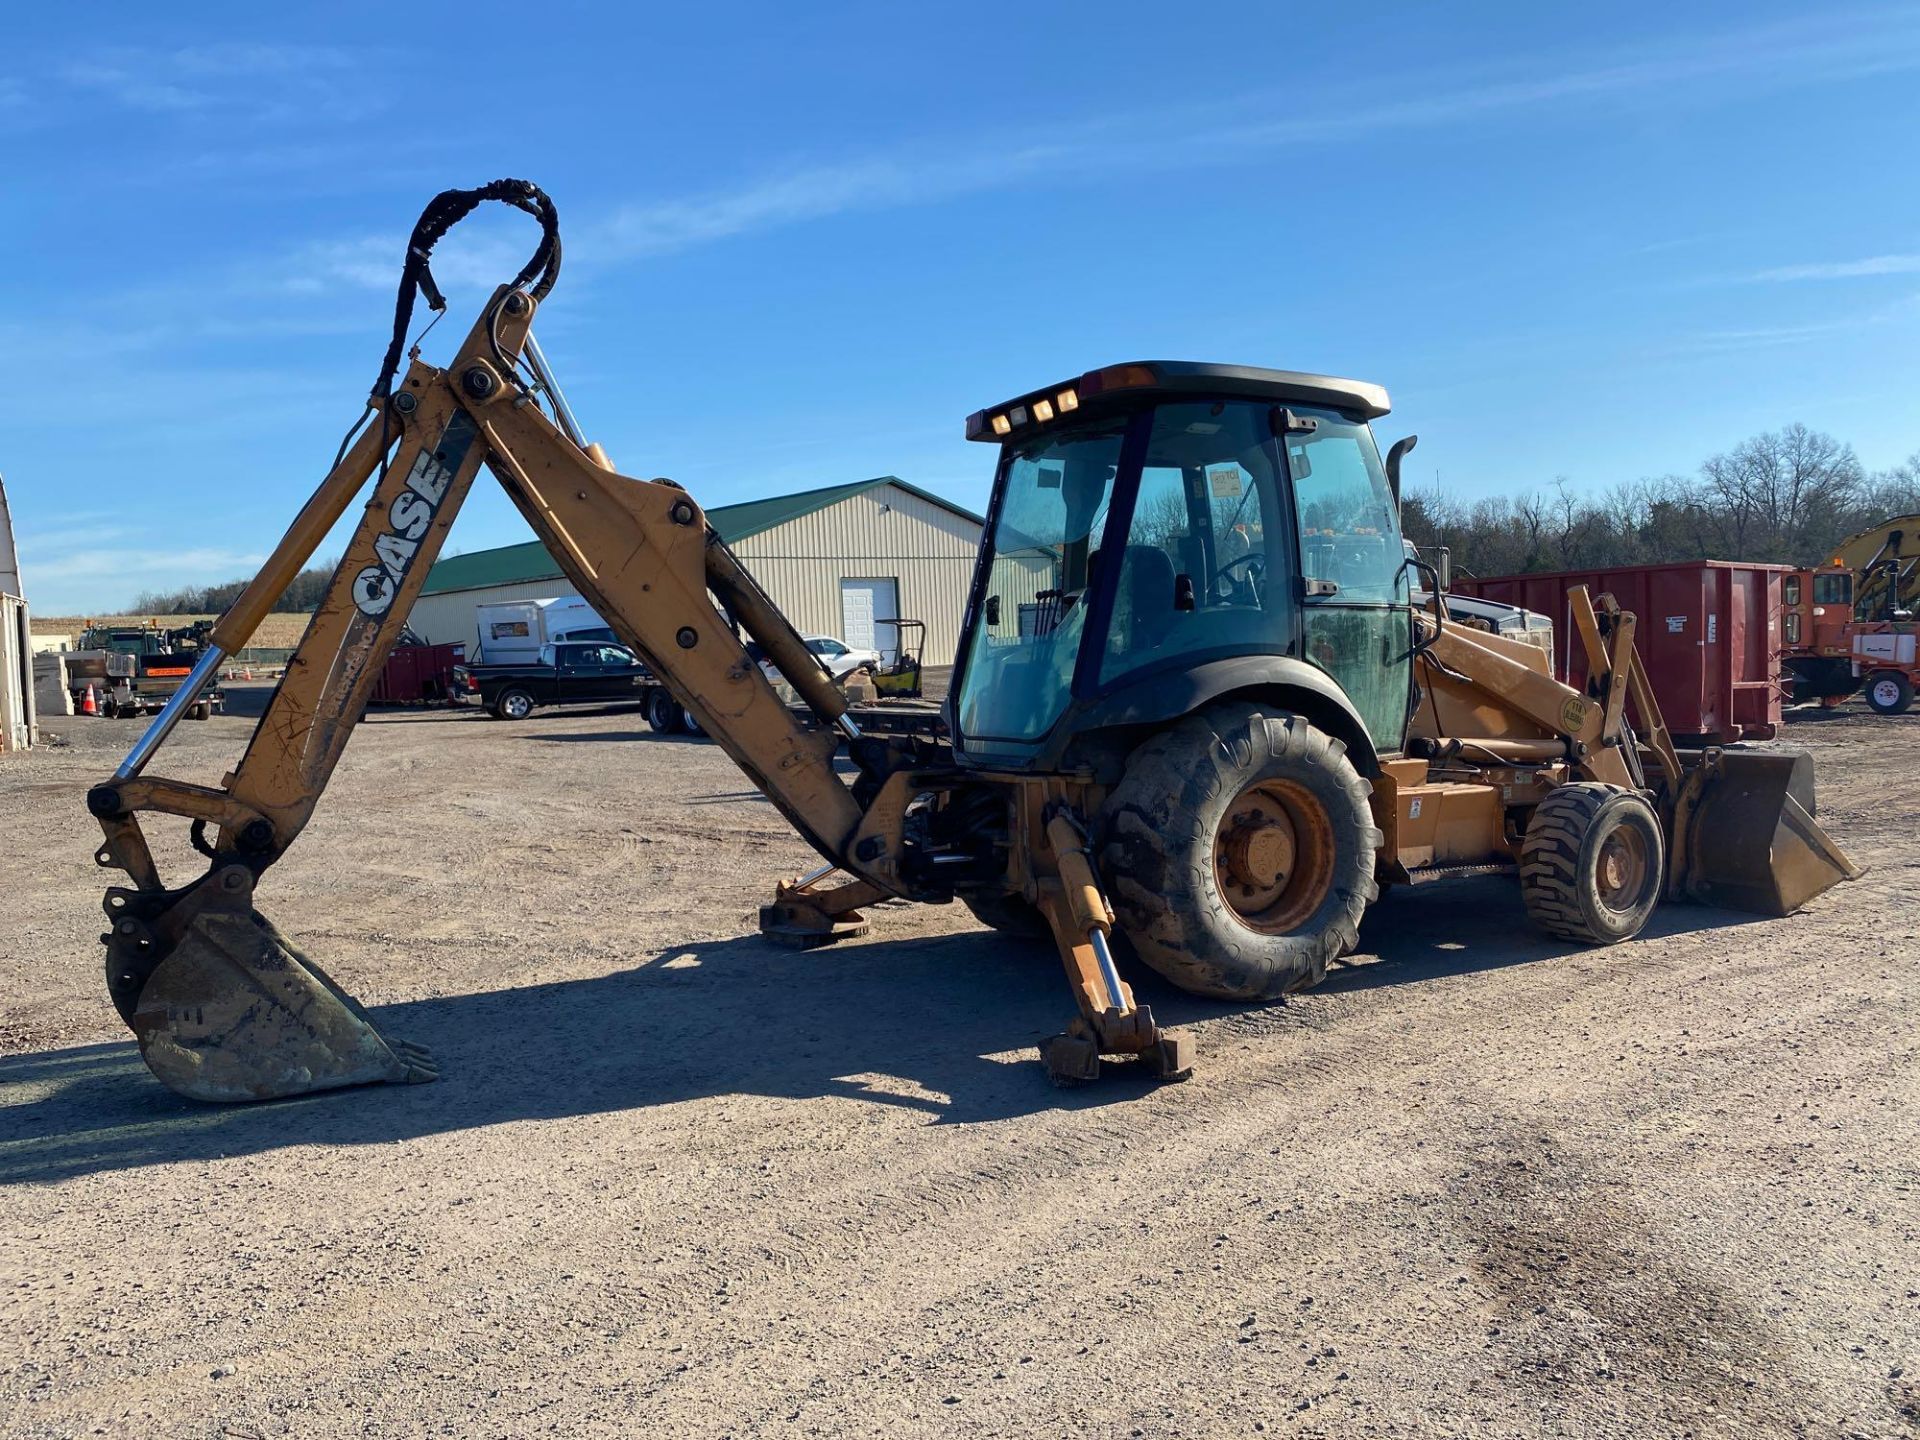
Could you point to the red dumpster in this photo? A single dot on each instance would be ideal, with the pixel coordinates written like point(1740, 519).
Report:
point(419, 674)
point(1707, 630)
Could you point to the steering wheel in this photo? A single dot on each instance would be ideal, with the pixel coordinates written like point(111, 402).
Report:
point(1226, 587)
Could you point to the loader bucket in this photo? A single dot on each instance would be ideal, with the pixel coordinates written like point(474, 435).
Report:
point(236, 1013)
point(1747, 837)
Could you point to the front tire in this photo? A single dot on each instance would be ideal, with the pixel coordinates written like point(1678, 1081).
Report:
point(1239, 852)
point(1890, 693)
point(1593, 863)
point(513, 705)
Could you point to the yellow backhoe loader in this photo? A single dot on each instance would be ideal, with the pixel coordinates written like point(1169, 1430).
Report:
point(1196, 718)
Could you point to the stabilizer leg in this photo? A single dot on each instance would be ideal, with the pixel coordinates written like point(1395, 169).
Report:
point(1109, 1022)
point(803, 917)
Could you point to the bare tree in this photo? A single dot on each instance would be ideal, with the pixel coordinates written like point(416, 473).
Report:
point(1779, 488)
point(1785, 495)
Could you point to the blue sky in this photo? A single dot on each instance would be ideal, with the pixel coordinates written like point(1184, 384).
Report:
point(1601, 242)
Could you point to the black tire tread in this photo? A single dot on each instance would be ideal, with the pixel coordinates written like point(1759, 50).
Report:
point(1171, 914)
point(1550, 884)
point(1901, 705)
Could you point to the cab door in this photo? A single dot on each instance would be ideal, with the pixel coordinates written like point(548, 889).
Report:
point(1356, 623)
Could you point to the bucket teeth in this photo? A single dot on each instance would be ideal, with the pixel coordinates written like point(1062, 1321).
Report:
point(236, 1013)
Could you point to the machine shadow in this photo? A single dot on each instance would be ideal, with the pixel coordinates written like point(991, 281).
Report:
point(910, 1022)
point(945, 1025)
point(1814, 715)
point(1462, 927)
point(604, 736)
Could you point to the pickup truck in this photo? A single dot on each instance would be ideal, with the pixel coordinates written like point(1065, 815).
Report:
point(565, 674)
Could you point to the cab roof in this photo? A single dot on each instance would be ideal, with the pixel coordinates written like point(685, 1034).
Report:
point(1146, 380)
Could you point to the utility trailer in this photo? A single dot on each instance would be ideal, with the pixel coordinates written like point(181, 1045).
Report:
point(512, 632)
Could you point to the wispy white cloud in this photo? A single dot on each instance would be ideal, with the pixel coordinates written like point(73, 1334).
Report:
point(1765, 337)
point(1694, 70)
point(110, 561)
point(1762, 58)
point(262, 80)
point(1843, 269)
point(80, 567)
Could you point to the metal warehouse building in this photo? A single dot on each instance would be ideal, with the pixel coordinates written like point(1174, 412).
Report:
point(836, 560)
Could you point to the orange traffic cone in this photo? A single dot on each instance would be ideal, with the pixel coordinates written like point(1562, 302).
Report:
point(88, 704)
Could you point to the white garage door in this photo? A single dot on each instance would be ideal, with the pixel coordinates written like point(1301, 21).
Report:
point(864, 601)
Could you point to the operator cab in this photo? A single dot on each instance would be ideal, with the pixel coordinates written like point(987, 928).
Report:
point(1164, 533)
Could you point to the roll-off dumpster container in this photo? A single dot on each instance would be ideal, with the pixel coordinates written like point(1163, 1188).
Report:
point(1708, 631)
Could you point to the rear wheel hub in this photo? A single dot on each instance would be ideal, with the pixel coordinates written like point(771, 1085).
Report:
point(1273, 856)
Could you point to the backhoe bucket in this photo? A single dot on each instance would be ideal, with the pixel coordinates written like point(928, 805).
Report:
point(236, 1013)
point(1746, 837)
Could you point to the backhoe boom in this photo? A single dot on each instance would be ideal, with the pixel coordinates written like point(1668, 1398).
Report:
point(640, 551)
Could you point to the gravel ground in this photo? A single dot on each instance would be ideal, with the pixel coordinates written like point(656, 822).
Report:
point(679, 1181)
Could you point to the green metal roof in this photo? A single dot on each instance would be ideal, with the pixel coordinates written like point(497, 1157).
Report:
point(518, 564)
point(508, 565)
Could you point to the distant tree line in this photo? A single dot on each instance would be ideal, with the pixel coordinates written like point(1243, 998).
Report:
point(303, 595)
point(1786, 496)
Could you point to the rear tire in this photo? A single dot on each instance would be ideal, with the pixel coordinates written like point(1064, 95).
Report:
point(514, 704)
point(1238, 850)
point(201, 710)
point(1890, 693)
point(1593, 863)
point(663, 713)
point(690, 724)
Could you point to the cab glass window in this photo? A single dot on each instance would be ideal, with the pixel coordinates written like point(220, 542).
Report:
point(1205, 562)
point(1833, 589)
point(1050, 524)
point(1350, 549)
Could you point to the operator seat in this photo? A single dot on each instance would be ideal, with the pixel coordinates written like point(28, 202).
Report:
point(1146, 583)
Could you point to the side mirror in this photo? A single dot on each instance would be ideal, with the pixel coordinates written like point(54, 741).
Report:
point(1401, 449)
point(1443, 567)
point(993, 609)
